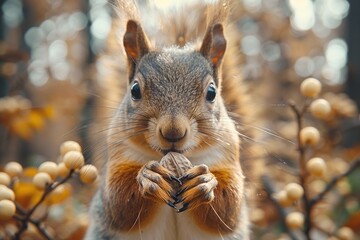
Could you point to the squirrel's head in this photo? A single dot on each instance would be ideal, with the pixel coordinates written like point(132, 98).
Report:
point(173, 100)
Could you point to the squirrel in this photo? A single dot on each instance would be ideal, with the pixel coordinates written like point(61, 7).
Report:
point(181, 90)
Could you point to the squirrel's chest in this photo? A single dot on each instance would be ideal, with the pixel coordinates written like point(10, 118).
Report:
point(169, 225)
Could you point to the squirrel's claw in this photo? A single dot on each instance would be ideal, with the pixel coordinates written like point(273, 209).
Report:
point(197, 190)
point(171, 205)
point(152, 182)
point(176, 179)
point(184, 207)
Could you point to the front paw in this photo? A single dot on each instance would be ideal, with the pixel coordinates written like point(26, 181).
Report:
point(155, 183)
point(197, 188)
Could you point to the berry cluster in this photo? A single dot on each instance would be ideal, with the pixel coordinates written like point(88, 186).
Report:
point(50, 178)
point(302, 204)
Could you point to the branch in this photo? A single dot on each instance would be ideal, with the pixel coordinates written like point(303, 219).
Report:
point(269, 188)
point(27, 215)
point(303, 174)
point(333, 182)
point(41, 230)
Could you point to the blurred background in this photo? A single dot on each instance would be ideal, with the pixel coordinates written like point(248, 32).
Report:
point(49, 84)
point(48, 51)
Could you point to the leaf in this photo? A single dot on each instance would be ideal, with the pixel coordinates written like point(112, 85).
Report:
point(26, 194)
point(35, 120)
point(48, 112)
point(30, 172)
point(59, 195)
point(20, 127)
point(354, 221)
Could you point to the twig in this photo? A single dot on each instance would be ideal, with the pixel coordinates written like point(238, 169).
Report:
point(24, 220)
point(42, 230)
point(269, 188)
point(333, 182)
point(303, 174)
point(310, 203)
point(20, 209)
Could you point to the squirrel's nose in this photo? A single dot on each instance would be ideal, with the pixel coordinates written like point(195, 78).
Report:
point(173, 135)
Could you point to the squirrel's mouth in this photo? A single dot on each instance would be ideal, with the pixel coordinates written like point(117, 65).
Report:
point(173, 149)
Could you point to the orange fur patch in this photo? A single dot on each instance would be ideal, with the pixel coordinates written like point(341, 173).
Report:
point(124, 204)
point(227, 204)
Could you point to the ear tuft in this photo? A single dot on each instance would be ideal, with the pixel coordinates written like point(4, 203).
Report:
point(214, 45)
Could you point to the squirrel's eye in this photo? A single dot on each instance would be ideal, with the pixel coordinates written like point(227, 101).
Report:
point(211, 93)
point(135, 91)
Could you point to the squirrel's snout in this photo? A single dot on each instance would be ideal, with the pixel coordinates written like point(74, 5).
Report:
point(172, 131)
point(173, 135)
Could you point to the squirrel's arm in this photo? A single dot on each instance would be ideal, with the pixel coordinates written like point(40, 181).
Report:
point(124, 204)
point(223, 213)
point(134, 192)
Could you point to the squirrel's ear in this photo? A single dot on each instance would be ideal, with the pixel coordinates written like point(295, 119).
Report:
point(214, 44)
point(135, 42)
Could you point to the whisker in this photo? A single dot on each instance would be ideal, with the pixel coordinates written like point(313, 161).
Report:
point(271, 133)
point(137, 219)
point(217, 215)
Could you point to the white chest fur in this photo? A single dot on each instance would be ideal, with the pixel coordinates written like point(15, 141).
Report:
point(169, 225)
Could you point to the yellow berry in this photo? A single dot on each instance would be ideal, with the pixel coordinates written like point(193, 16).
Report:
point(343, 186)
point(73, 160)
point(4, 179)
point(346, 233)
point(309, 136)
point(41, 180)
point(316, 166)
point(83, 219)
point(282, 198)
point(13, 169)
point(10, 229)
point(310, 87)
point(50, 168)
point(257, 216)
point(88, 174)
point(320, 108)
point(294, 191)
point(68, 146)
point(295, 220)
point(6, 193)
point(317, 186)
point(322, 220)
point(59, 190)
point(7, 209)
point(63, 171)
point(338, 166)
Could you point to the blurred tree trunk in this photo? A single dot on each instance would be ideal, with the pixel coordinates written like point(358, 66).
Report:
point(353, 39)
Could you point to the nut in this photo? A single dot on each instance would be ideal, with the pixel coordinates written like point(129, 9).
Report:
point(176, 163)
